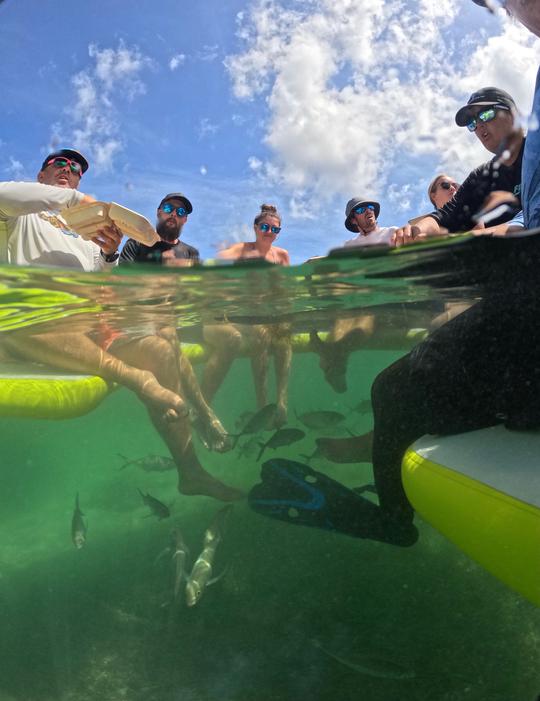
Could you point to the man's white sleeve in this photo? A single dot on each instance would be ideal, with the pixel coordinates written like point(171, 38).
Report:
point(21, 198)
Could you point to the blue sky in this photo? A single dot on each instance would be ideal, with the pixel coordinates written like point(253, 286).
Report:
point(302, 104)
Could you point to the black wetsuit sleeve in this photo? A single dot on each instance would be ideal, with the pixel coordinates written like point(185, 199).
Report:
point(130, 251)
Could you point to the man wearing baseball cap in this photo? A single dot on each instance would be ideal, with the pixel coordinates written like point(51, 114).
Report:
point(32, 232)
point(528, 13)
point(490, 114)
point(361, 216)
point(172, 214)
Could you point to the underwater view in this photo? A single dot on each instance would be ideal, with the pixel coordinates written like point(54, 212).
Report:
point(116, 585)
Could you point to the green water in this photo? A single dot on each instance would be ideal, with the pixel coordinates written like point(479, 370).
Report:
point(97, 623)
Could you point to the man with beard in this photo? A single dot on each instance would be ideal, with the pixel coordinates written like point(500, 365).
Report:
point(172, 214)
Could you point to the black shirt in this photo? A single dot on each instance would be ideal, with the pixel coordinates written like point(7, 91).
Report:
point(456, 215)
point(136, 252)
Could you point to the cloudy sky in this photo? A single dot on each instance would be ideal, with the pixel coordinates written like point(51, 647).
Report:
point(233, 102)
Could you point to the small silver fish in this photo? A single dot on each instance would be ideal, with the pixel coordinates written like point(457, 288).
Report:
point(201, 574)
point(282, 437)
point(150, 463)
point(179, 557)
point(157, 507)
point(263, 420)
point(78, 526)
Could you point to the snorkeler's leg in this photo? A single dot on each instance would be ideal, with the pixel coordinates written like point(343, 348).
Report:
point(259, 359)
point(159, 357)
point(206, 423)
point(225, 342)
point(282, 349)
point(78, 353)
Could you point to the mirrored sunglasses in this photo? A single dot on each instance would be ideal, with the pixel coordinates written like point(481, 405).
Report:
point(485, 116)
point(265, 228)
point(63, 162)
point(362, 208)
point(168, 208)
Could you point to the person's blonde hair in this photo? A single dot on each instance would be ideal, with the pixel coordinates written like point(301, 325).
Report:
point(269, 210)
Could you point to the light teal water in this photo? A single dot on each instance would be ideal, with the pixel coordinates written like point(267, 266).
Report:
point(97, 623)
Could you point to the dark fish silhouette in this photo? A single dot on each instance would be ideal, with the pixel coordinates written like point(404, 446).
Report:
point(150, 463)
point(263, 420)
point(157, 507)
point(282, 437)
point(363, 407)
point(346, 450)
point(78, 526)
point(320, 419)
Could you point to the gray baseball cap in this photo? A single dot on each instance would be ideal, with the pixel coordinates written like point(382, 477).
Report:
point(353, 204)
point(178, 196)
point(67, 153)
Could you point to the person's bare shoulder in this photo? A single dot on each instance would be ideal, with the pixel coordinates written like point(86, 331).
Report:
point(232, 252)
point(282, 256)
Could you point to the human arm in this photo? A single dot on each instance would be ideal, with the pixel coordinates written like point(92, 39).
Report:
point(19, 198)
point(424, 228)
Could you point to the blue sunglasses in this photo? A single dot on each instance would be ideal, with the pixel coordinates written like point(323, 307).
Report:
point(168, 208)
point(265, 228)
point(486, 115)
point(362, 208)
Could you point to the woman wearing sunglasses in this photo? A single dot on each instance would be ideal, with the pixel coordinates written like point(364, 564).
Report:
point(441, 190)
point(266, 225)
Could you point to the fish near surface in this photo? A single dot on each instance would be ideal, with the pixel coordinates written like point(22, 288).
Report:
point(78, 526)
point(320, 419)
point(150, 463)
point(263, 420)
point(281, 438)
point(201, 574)
point(370, 665)
point(157, 507)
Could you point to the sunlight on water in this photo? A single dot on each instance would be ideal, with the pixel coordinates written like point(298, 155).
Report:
point(296, 613)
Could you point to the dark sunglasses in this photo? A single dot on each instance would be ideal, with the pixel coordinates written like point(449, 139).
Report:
point(362, 208)
point(63, 162)
point(485, 116)
point(446, 185)
point(168, 208)
point(265, 228)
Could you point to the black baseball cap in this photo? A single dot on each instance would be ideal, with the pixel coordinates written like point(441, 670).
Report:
point(484, 96)
point(178, 196)
point(67, 153)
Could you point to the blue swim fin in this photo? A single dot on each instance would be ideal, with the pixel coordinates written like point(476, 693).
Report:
point(293, 492)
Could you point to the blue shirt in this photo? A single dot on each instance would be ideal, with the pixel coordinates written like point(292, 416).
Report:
point(530, 184)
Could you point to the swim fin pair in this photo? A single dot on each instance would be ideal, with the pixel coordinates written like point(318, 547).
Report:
point(293, 492)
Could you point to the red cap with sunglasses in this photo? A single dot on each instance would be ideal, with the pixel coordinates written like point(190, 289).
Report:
point(69, 155)
point(484, 97)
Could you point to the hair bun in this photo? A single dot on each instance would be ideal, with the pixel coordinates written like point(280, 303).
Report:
point(268, 208)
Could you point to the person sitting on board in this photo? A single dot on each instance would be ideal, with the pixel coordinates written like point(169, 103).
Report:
point(266, 225)
point(172, 215)
point(361, 216)
point(490, 113)
point(226, 341)
point(34, 234)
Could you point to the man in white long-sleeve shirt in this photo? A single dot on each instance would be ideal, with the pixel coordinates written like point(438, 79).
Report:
point(33, 233)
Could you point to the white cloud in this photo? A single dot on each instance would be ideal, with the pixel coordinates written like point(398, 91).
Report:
point(360, 95)
point(101, 92)
point(176, 61)
point(208, 53)
point(203, 170)
point(15, 169)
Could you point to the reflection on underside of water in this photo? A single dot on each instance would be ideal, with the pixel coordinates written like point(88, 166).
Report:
point(295, 612)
